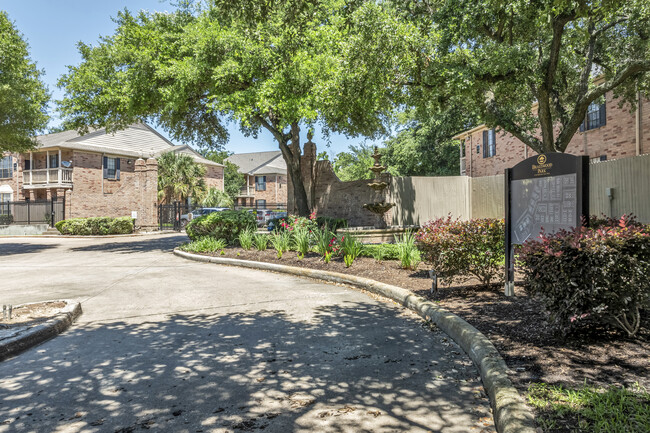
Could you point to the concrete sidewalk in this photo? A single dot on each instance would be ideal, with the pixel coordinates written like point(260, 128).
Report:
point(173, 345)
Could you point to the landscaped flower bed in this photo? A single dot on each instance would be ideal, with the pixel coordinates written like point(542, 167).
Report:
point(519, 326)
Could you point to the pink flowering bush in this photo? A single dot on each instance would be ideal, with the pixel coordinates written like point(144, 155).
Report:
point(591, 276)
point(456, 248)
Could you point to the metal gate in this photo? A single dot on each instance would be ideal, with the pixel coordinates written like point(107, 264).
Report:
point(170, 216)
point(32, 212)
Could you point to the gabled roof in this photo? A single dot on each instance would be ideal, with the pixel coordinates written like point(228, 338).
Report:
point(259, 163)
point(138, 141)
point(187, 150)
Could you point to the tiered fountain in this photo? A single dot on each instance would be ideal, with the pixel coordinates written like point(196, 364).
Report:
point(379, 208)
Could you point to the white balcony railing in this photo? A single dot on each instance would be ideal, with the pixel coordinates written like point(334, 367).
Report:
point(247, 191)
point(463, 167)
point(47, 176)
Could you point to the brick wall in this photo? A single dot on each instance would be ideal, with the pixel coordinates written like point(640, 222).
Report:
point(214, 177)
point(276, 189)
point(93, 196)
point(616, 139)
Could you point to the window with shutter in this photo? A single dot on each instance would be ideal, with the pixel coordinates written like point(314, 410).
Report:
point(111, 168)
point(489, 143)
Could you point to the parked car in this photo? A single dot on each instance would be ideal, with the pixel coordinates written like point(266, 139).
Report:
point(186, 218)
point(263, 217)
point(276, 215)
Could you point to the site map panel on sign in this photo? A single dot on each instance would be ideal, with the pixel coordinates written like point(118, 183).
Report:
point(547, 203)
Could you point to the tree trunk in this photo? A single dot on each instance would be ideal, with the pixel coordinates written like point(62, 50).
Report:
point(292, 156)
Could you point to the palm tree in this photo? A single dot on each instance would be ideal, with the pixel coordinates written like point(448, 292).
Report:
point(179, 177)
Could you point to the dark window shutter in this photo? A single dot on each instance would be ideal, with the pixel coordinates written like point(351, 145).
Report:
point(117, 168)
point(105, 166)
point(603, 115)
point(485, 143)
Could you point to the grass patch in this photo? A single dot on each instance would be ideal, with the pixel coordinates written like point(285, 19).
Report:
point(589, 409)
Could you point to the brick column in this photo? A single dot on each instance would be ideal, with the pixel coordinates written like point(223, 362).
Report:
point(147, 184)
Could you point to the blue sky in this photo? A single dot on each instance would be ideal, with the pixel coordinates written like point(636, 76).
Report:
point(53, 28)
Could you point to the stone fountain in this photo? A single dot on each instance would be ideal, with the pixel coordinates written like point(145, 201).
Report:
point(379, 208)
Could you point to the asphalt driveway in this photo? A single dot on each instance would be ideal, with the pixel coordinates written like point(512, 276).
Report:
point(166, 344)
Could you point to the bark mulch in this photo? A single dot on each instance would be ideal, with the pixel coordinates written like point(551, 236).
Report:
point(516, 325)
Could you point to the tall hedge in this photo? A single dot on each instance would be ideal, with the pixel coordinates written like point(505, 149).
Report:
point(221, 225)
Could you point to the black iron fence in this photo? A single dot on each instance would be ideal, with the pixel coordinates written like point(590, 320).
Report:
point(173, 216)
point(281, 207)
point(32, 212)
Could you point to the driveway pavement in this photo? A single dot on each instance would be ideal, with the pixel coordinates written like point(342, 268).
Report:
point(171, 345)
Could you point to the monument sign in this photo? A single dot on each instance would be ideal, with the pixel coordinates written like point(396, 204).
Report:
point(544, 192)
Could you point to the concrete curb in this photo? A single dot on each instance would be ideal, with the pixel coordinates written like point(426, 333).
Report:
point(511, 415)
point(42, 332)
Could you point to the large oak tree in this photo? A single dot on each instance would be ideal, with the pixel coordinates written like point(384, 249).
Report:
point(533, 67)
point(272, 65)
point(23, 96)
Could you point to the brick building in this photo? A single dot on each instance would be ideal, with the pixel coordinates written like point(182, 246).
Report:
point(609, 132)
point(266, 179)
point(97, 174)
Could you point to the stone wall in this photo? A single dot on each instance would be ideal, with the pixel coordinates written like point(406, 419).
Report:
point(333, 198)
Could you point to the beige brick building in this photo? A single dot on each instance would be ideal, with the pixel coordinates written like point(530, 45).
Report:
point(97, 174)
point(609, 132)
point(266, 179)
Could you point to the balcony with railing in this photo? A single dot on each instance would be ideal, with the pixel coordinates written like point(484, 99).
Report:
point(247, 191)
point(47, 177)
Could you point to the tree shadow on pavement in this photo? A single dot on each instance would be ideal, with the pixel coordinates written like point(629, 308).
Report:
point(349, 368)
point(166, 243)
point(8, 249)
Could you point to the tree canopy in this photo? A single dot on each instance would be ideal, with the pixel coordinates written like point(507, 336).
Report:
point(354, 164)
point(533, 67)
point(273, 65)
point(23, 96)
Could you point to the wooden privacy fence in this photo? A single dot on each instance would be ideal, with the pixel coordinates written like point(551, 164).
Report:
point(421, 199)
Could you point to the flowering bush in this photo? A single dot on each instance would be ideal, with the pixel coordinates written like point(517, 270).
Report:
point(457, 248)
point(591, 276)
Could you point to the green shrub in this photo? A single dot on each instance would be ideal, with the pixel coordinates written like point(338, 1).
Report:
point(6, 219)
point(457, 248)
point(281, 241)
point(301, 240)
point(588, 276)
point(407, 251)
point(221, 225)
point(95, 226)
point(204, 245)
point(381, 251)
point(246, 238)
point(350, 245)
point(261, 241)
point(323, 241)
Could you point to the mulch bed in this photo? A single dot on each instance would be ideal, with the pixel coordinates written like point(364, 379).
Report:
point(516, 325)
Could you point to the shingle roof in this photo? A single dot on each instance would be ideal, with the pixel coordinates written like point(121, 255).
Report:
point(259, 162)
point(187, 150)
point(137, 140)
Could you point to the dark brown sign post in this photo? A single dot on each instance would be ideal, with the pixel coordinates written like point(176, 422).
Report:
point(546, 192)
